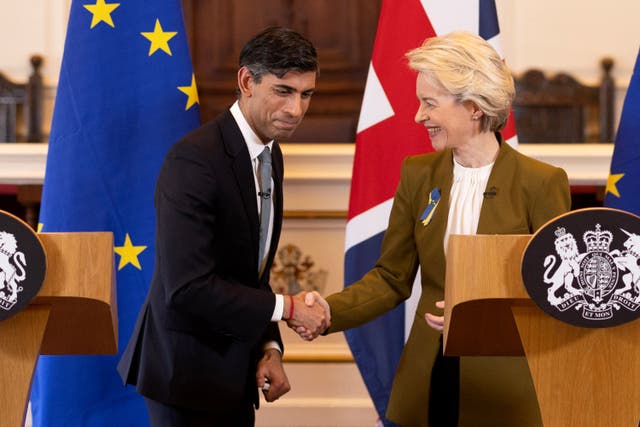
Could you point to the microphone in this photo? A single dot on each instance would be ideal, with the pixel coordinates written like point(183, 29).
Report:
point(265, 194)
point(491, 193)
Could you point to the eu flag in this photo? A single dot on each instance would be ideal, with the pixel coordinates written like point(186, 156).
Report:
point(126, 93)
point(624, 177)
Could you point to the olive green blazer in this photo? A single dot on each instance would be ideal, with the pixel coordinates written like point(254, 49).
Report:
point(528, 193)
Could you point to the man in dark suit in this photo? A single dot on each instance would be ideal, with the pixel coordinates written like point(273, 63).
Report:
point(207, 336)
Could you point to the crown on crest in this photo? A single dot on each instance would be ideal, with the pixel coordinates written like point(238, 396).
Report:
point(560, 231)
point(597, 240)
point(562, 237)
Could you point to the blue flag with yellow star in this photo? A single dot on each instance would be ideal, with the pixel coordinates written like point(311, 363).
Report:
point(126, 93)
point(624, 176)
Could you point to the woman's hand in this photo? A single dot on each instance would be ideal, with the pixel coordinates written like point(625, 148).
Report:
point(436, 322)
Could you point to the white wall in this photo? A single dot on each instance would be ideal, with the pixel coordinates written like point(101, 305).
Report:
point(28, 27)
point(571, 35)
point(554, 35)
point(568, 35)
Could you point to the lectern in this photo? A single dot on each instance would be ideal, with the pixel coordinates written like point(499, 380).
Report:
point(582, 376)
point(74, 313)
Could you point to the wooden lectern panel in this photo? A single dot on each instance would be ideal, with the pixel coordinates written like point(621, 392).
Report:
point(80, 288)
point(582, 376)
point(21, 337)
point(74, 313)
point(486, 272)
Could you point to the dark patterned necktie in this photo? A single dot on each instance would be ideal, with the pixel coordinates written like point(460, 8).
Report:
point(265, 200)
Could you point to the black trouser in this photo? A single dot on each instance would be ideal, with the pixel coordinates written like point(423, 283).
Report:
point(162, 415)
point(444, 394)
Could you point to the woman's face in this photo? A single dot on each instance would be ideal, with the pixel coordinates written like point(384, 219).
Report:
point(450, 123)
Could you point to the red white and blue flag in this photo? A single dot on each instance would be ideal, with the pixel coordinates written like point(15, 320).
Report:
point(386, 135)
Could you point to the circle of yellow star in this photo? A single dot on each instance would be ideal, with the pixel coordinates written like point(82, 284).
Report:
point(129, 253)
point(192, 92)
point(611, 184)
point(101, 12)
point(159, 39)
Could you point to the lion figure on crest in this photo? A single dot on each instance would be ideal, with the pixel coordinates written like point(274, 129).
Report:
point(10, 274)
point(627, 260)
point(567, 271)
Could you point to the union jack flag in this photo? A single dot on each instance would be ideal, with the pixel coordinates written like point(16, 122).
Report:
point(386, 135)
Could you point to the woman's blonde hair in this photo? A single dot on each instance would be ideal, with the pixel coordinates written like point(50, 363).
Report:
point(469, 68)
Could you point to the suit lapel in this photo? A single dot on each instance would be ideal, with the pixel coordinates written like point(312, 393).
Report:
point(243, 172)
point(437, 176)
point(241, 166)
point(278, 170)
point(498, 187)
point(443, 178)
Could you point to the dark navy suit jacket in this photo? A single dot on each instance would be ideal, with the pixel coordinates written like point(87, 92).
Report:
point(200, 332)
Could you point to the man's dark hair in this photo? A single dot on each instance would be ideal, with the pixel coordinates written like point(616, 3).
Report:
point(278, 50)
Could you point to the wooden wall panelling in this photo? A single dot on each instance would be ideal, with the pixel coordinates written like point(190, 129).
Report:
point(559, 108)
point(342, 30)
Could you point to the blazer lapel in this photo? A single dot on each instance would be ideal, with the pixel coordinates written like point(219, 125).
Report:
point(241, 165)
point(443, 179)
point(278, 171)
point(498, 188)
point(443, 176)
point(440, 177)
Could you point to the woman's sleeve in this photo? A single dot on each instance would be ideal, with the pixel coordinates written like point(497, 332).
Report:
point(390, 281)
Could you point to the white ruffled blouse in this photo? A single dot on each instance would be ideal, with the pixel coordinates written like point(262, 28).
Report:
point(465, 200)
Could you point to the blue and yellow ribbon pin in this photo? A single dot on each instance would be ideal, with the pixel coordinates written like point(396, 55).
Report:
point(434, 199)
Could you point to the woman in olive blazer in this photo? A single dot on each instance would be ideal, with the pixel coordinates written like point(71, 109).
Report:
point(462, 116)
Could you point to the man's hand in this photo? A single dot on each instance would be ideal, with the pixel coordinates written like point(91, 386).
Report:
point(310, 315)
point(270, 375)
point(310, 299)
point(436, 322)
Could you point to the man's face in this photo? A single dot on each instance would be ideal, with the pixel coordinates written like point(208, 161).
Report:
point(275, 107)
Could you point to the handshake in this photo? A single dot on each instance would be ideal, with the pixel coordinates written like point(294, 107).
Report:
point(307, 313)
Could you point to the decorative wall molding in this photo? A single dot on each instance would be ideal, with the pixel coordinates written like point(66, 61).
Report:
point(586, 164)
point(22, 163)
point(318, 176)
point(327, 168)
point(322, 395)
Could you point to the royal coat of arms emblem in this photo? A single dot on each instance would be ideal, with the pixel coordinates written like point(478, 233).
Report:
point(593, 278)
point(22, 265)
point(12, 265)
